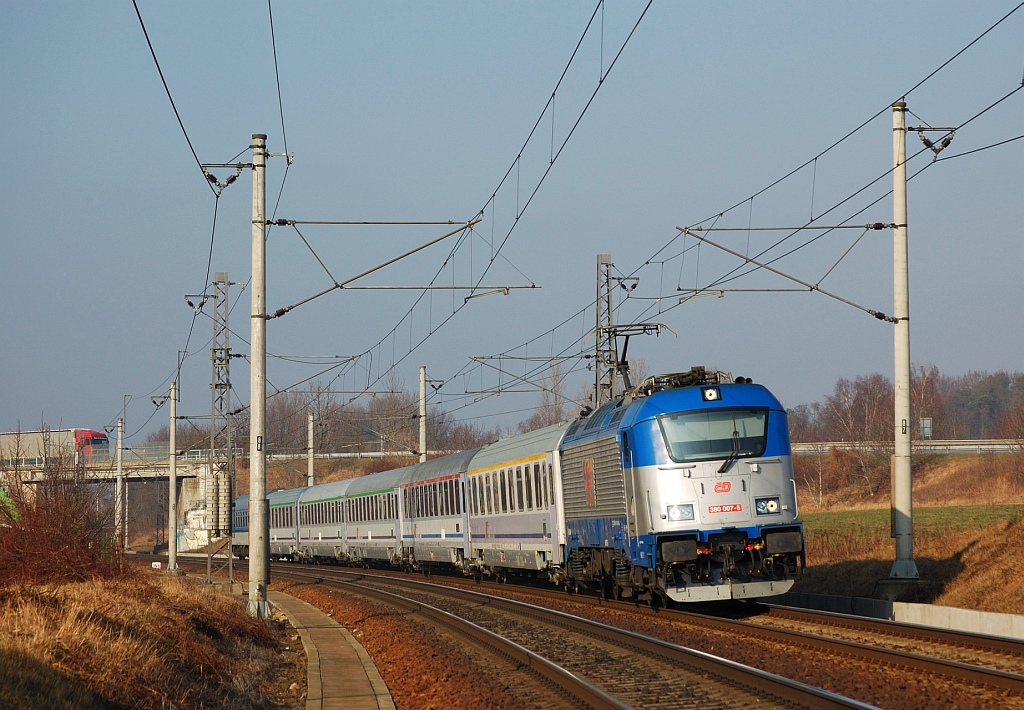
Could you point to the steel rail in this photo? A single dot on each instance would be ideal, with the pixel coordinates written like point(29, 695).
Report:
point(754, 679)
point(1003, 680)
point(569, 683)
point(964, 672)
point(983, 642)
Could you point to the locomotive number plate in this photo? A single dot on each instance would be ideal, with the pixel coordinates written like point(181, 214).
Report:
point(727, 508)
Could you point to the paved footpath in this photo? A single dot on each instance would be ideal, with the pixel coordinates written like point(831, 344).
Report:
point(340, 673)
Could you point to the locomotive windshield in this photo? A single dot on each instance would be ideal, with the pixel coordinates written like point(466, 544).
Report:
point(711, 434)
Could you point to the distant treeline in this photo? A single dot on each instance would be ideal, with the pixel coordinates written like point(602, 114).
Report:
point(977, 405)
point(387, 421)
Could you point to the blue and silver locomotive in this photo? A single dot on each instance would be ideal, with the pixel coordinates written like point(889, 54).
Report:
point(682, 489)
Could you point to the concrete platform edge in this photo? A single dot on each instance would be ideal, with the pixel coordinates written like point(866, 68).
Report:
point(314, 679)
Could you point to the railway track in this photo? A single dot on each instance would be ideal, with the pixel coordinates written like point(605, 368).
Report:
point(881, 663)
point(600, 665)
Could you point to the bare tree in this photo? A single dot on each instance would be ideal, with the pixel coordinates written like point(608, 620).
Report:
point(551, 400)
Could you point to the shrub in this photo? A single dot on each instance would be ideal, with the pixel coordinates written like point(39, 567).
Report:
point(56, 529)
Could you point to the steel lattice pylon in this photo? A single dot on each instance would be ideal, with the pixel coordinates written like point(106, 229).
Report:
point(221, 445)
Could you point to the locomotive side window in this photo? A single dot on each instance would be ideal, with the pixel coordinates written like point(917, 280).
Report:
point(714, 433)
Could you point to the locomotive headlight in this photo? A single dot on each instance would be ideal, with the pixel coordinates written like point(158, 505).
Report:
point(679, 513)
point(710, 394)
point(767, 506)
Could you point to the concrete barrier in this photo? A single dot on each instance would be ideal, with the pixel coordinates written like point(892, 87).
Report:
point(942, 617)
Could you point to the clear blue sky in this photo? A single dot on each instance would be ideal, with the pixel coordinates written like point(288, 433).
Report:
point(416, 111)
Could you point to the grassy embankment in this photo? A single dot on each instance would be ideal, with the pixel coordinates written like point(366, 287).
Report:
point(144, 641)
point(968, 535)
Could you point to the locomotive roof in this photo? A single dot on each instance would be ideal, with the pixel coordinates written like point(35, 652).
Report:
point(624, 412)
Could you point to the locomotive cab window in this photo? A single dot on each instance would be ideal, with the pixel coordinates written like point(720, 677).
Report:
point(712, 434)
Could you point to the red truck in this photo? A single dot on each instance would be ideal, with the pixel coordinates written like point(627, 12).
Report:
point(32, 448)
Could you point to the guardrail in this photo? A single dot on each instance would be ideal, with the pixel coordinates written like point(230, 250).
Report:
point(937, 446)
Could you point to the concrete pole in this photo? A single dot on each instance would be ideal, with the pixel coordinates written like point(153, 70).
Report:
point(172, 495)
point(119, 503)
point(423, 413)
point(309, 446)
point(902, 509)
point(259, 518)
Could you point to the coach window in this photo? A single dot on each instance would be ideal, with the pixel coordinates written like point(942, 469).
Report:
point(529, 489)
point(504, 492)
point(511, 492)
point(537, 486)
point(520, 493)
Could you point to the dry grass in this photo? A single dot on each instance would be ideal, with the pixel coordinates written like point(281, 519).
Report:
point(969, 554)
point(143, 642)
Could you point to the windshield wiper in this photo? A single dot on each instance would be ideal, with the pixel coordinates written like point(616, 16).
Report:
point(734, 455)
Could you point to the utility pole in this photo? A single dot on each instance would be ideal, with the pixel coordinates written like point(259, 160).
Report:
point(172, 496)
point(423, 413)
point(902, 505)
point(309, 449)
point(259, 521)
point(119, 494)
